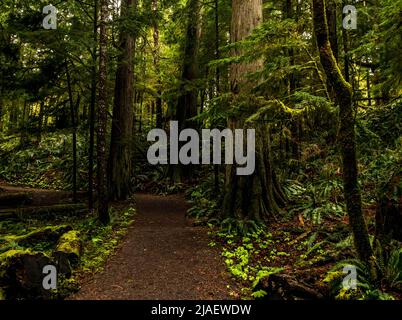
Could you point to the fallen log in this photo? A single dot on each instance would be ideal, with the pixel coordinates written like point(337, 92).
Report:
point(20, 198)
point(43, 211)
point(46, 234)
point(286, 287)
point(68, 251)
point(21, 274)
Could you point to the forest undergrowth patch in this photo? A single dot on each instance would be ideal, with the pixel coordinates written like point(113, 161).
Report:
point(98, 242)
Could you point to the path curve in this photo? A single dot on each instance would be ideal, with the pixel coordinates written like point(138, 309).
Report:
point(163, 257)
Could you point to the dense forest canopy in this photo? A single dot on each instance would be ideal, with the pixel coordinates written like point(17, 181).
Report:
point(317, 84)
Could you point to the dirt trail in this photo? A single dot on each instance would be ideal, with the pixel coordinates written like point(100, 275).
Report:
point(162, 257)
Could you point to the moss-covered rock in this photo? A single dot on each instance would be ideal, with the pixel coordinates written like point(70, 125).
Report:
point(21, 274)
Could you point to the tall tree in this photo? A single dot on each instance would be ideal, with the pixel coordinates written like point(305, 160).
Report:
point(102, 178)
point(120, 157)
point(347, 135)
point(156, 53)
point(92, 109)
point(187, 101)
point(256, 196)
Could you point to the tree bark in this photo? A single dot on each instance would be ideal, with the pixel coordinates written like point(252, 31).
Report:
point(187, 101)
point(92, 111)
point(102, 177)
point(258, 196)
point(156, 52)
point(120, 156)
point(74, 129)
point(347, 135)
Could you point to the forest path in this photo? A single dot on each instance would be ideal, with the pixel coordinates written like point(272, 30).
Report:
point(162, 257)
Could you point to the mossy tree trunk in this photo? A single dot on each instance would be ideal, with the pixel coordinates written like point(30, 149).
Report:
point(258, 196)
point(347, 135)
point(120, 156)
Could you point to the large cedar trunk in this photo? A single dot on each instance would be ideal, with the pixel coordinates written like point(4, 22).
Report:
point(102, 186)
point(258, 196)
point(122, 126)
point(347, 135)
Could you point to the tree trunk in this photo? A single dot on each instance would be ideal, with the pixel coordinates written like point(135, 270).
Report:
point(40, 120)
point(257, 196)
point(92, 112)
point(187, 101)
point(347, 135)
point(74, 129)
point(102, 185)
point(217, 80)
point(120, 157)
point(159, 112)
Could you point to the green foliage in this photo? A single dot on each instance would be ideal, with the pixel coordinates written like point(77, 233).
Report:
point(203, 200)
point(316, 200)
point(99, 241)
point(240, 258)
point(366, 288)
point(46, 165)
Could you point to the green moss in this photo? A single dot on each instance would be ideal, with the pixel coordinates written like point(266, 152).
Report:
point(46, 233)
point(70, 243)
point(7, 256)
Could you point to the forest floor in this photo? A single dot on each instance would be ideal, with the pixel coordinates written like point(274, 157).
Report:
point(163, 256)
point(41, 197)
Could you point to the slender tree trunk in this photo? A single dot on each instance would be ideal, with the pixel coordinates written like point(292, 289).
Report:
point(368, 87)
point(92, 111)
point(187, 101)
point(347, 136)
point(24, 125)
point(332, 26)
point(74, 133)
point(102, 177)
point(120, 157)
point(1, 110)
point(345, 40)
point(217, 80)
point(258, 196)
point(40, 120)
point(156, 52)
